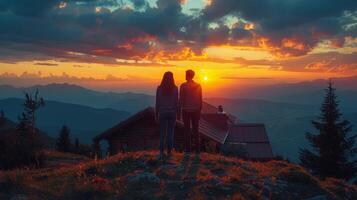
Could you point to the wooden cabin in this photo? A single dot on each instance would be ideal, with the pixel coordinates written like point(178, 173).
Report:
point(219, 132)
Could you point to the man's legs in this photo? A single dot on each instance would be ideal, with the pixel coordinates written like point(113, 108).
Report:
point(187, 131)
point(195, 117)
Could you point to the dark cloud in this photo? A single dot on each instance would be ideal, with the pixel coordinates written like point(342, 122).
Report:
point(81, 66)
point(318, 62)
point(279, 14)
point(28, 7)
point(323, 62)
point(102, 31)
point(246, 78)
point(47, 64)
point(36, 8)
point(263, 62)
point(304, 23)
point(139, 3)
point(123, 33)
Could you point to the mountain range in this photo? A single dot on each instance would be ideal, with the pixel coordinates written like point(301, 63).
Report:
point(74, 94)
point(85, 122)
point(307, 92)
point(286, 109)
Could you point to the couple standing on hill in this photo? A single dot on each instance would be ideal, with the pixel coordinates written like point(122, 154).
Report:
point(170, 104)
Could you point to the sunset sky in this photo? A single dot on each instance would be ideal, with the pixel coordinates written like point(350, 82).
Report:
point(126, 45)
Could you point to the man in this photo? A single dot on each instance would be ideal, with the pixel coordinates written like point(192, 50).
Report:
point(190, 104)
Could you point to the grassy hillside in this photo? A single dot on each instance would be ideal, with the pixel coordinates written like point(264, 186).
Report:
point(141, 176)
point(9, 127)
point(55, 159)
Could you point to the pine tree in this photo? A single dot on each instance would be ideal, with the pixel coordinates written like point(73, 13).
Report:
point(31, 105)
point(2, 114)
point(76, 146)
point(2, 117)
point(96, 150)
point(23, 147)
point(64, 141)
point(333, 147)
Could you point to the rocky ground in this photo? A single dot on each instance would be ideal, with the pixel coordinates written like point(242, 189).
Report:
point(141, 176)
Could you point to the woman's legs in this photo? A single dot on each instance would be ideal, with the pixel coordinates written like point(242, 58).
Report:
point(171, 121)
point(163, 129)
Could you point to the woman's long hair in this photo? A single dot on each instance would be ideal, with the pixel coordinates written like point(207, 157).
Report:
point(168, 83)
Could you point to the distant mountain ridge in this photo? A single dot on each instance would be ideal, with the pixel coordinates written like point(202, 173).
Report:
point(69, 93)
point(307, 92)
point(261, 110)
point(85, 122)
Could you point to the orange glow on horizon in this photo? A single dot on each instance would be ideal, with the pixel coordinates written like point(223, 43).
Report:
point(216, 67)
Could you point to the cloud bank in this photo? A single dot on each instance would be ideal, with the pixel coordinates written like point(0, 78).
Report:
point(103, 31)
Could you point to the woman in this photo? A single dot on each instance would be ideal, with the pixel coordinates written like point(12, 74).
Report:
point(166, 110)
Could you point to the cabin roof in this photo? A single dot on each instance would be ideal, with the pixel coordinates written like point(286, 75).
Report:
point(253, 136)
point(120, 125)
point(247, 133)
point(217, 134)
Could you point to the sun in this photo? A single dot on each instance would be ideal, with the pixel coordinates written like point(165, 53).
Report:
point(205, 78)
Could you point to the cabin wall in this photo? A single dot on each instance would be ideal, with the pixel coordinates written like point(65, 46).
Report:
point(143, 134)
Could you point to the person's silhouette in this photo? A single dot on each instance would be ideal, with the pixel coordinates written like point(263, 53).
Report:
point(190, 104)
point(166, 110)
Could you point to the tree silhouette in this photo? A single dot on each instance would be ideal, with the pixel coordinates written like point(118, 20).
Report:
point(31, 105)
point(96, 150)
point(333, 147)
point(76, 148)
point(2, 117)
point(27, 127)
point(64, 141)
point(23, 147)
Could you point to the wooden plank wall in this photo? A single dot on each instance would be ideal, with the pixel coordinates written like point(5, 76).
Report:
point(144, 134)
